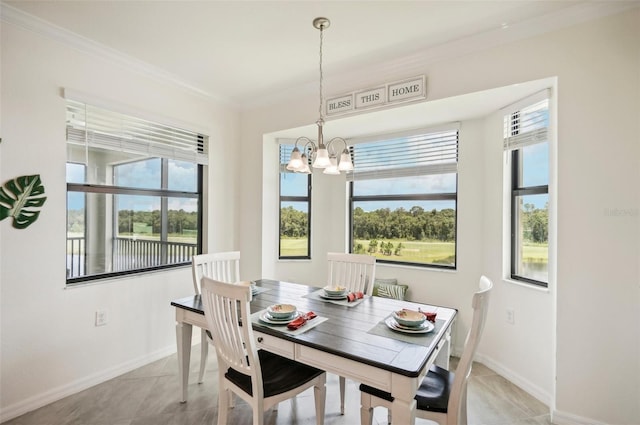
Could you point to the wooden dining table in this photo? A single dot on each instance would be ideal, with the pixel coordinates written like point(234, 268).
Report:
point(350, 340)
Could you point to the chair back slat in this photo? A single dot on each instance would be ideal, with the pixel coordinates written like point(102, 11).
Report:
point(356, 272)
point(220, 266)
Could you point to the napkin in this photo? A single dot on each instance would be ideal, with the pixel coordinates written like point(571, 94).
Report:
point(300, 321)
point(352, 296)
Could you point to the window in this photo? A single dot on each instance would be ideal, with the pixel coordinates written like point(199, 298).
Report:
point(527, 146)
point(403, 195)
point(295, 210)
point(134, 194)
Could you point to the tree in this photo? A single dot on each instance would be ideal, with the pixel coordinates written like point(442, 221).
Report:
point(373, 246)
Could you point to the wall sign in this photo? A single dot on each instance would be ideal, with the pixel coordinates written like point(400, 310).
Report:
point(382, 96)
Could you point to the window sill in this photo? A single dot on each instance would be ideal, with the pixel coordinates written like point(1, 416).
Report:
point(421, 268)
point(527, 285)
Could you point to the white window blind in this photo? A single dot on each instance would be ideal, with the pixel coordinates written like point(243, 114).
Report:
point(92, 126)
point(407, 155)
point(527, 122)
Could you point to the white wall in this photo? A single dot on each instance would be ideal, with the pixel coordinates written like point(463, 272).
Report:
point(49, 344)
point(586, 364)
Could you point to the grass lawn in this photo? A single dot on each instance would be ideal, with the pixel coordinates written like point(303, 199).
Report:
point(416, 252)
point(293, 247)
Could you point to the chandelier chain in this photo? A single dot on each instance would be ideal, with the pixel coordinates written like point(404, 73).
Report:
point(321, 76)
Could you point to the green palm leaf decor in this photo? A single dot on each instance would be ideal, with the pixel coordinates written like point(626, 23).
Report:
point(21, 198)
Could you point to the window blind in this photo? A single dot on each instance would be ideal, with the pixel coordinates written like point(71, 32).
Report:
point(527, 125)
point(96, 127)
point(405, 156)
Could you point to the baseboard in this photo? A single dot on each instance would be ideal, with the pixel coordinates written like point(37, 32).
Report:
point(55, 394)
point(564, 418)
point(524, 384)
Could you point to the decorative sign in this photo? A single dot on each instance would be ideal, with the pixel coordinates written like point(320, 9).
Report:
point(371, 97)
point(339, 104)
point(381, 96)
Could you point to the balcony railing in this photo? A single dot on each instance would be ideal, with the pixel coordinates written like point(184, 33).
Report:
point(76, 256)
point(129, 254)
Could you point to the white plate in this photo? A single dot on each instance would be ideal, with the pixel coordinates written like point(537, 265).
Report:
point(426, 327)
point(265, 317)
point(333, 297)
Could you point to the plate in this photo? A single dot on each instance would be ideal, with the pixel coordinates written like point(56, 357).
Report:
point(265, 317)
point(426, 327)
point(332, 297)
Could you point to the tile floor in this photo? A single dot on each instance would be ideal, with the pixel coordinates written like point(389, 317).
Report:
point(149, 395)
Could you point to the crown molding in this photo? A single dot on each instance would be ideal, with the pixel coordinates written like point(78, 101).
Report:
point(19, 18)
point(375, 73)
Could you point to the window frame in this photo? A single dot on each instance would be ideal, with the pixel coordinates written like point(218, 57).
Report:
point(440, 196)
point(522, 128)
point(413, 197)
point(516, 191)
point(282, 199)
point(96, 124)
point(121, 190)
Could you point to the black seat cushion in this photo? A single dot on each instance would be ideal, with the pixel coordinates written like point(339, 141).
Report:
point(279, 374)
point(432, 395)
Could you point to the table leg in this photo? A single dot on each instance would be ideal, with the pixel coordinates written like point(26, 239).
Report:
point(403, 411)
point(183, 340)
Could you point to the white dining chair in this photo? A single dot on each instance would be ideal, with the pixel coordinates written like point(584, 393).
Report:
point(357, 273)
point(442, 395)
point(223, 266)
point(259, 377)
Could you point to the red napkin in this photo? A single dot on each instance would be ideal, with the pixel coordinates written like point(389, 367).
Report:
point(352, 296)
point(295, 324)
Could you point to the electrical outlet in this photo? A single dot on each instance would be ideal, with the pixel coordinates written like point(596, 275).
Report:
point(101, 317)
point(511, 316)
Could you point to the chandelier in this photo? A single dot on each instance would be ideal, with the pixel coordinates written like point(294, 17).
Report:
point(323, 156)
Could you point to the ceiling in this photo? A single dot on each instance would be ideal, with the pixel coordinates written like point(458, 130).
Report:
point(240, 51)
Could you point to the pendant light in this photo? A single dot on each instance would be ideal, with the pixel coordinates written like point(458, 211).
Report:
point(323, 156)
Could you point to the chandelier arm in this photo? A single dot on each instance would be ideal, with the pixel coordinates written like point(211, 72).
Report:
point(331, 151)
point(307, 141)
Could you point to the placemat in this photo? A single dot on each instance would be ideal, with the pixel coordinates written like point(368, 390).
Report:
point(315, 295)
point(381, 329)
point(255, 318)
point(259, 290)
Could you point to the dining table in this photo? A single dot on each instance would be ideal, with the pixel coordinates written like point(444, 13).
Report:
point(354, 339)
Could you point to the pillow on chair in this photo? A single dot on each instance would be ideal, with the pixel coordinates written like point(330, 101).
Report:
point(389, 288)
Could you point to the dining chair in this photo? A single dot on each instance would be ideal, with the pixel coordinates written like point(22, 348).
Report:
point(259, 377)
point(442, 395)
point(357, 273)
point(224, 266)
